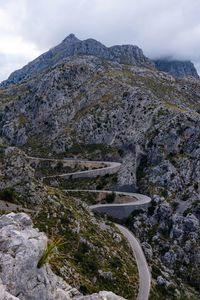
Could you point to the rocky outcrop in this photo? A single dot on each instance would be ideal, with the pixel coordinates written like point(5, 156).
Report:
point(4, 295)
point(171, 241)
point(17, 175)
point(101, 296)
point(177, 68)
point(171, 164)
point(125, 54)
point(21, 247)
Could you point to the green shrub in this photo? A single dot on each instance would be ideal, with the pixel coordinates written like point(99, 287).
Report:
point(59, 166)
point(86, 259)
point(7, 195)
point(49, 251)
point(115, 262)
point(110, 198)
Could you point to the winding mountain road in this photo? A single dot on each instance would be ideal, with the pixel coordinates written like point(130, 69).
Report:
point(144, 273)
point(95, 168)
point(121, 211)
point(117, 210)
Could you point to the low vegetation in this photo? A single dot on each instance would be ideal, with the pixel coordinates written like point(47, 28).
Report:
point(49, 251)
point(110, 198)
point(10, 195)
point(87, 249)
point(99, 183)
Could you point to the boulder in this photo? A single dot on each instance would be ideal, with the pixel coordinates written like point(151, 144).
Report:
point(21, 247)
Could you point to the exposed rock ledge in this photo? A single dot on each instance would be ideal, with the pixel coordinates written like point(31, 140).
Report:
point(21, 247)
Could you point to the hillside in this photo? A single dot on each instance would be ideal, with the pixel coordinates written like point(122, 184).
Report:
point(101, 107)
point(92, 255)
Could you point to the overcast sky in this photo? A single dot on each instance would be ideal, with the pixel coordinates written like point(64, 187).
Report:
point(159, 27)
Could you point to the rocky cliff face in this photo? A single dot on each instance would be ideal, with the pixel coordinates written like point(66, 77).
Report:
point(179, 69)
point(126, 54)
point(17, 175)
point(171, 244)
point(21, 248)
point(20, 251)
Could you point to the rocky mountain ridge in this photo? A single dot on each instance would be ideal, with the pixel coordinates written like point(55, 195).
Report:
point(71, 46)
point(123, 54)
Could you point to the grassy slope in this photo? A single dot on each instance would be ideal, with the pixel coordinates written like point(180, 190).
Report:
point(86, 247)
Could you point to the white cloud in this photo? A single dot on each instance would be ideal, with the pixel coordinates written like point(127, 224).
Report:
point(159, 27)
point(9, 63)
point(15, 45)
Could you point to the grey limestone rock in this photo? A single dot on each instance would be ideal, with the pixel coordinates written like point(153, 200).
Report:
point(17, 174)
point(101, 296)
point(4, 295)
point(21, 247)
point(147, 250)
point(162, 281)
point(106, 275)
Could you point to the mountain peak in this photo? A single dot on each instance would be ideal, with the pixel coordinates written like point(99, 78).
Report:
point(71, 37)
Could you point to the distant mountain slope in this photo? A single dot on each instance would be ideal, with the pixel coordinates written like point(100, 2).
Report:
point(70, 46)
point(176, 68)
